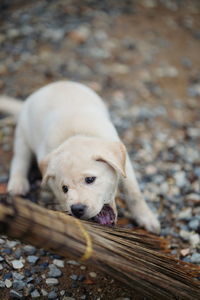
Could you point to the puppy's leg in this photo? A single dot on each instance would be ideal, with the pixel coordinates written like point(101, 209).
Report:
point(140, 212)
point(18, 183)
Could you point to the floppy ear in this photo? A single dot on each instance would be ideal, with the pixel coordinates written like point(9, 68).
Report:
point(46, 169)
point(114, 154)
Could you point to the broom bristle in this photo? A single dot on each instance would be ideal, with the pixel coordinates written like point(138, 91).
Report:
point(131, 257)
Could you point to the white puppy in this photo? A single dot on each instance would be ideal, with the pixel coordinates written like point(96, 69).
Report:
point(67, 127)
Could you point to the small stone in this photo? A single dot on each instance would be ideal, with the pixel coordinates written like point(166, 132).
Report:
point(150, 170)
point(54, 271)
point(17, 264)
point(32, 259)
point(68, 298)
point(194, 240)
point(18, 285)
point(7, 276)
point(185, 252)
point(18, 276)
point(167, 71)
point(74, 277)
point(185, 214)
point(82, 267)
point(194, 224)
point(12, 244)
point(1, 267)
point(7, 251)
point(180, 178)
point(15, 294)
point(51, 281)
point(73, 262)
point(59, 263)
point(185, 235)
point(80, 35)
point(52, 295)
point(93, 274)
point(35, 294)
point(8, 283)
point(193, 197)
point(18, 253)
point(44, 292)
point(195, 258)
point(30, 250)
point(2, 284)
point(62, 293)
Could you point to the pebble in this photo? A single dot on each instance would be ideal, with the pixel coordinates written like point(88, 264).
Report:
point(74, 277)
point(194, 224)
point(17, 264)
point(30, 250)
point(180, 178)
point(2, 284)
point(44, 292)
point(73, 262)
point(52, 281)
point(54, 271)
point(8, 283)
point(93, 274)
point(193, 197)
point(80, 34)
point(185, 252)
point(18, 253)
point(35, 294)
point(62, 293)
point(6, 251)
point(32, 259)
point(194, 240)
point(68, 298)
point(185, 214)
point(1, 267)
point(12, 244)
point(59, 263)
point(16, 295)
point(17, 276)
point(52, 295)
point(18, 285)
point(195, 258)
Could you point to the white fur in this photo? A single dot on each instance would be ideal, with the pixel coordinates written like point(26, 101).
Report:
point(67, 127)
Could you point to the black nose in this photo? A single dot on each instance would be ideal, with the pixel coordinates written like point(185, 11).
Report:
point(78, 210)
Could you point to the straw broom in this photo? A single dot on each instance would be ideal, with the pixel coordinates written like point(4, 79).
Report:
point(128, 256)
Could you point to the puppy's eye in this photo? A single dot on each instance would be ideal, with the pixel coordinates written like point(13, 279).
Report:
point(89, 180)
point(65, 189)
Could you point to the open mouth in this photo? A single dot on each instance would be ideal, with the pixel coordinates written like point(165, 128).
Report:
point(105, 217)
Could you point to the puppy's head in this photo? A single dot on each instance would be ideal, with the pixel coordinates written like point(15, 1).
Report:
point(83, 173)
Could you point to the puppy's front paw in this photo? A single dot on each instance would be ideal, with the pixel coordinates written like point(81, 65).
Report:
point(150, 223)
point(145, 218)
point(18, 186)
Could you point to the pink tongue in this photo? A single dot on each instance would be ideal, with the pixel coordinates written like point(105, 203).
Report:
point(106, 216)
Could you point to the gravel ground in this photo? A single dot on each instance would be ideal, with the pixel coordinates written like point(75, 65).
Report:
point(142, 57)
